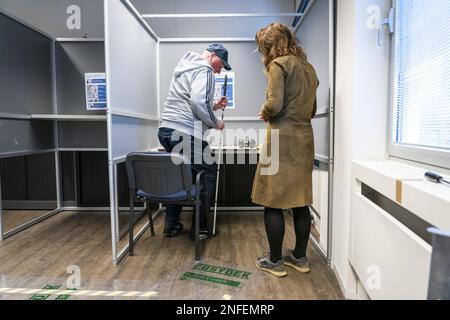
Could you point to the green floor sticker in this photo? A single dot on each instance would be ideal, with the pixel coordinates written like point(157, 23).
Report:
point(202, 277)
point(64, 296)
point(44, 296)
point(223, 271)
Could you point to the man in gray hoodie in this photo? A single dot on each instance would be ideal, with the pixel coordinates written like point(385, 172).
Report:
point(188, 114)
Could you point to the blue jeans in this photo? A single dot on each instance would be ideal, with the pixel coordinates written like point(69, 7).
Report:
point(173, 211)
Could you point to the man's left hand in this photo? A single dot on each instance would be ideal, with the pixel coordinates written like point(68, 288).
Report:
point(221, 104)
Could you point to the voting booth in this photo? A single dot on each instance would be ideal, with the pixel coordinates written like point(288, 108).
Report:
point(81, 105)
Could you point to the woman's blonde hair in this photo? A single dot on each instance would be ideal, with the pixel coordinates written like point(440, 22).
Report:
point(277, 40)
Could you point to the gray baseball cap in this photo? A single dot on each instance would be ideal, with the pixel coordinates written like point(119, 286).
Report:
point(221, 52)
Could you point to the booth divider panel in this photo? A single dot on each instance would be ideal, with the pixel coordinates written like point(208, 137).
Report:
point(25, 135)
point(321, 127)
point(132, 135)
point(132, 63)
point(26, 69)
point(83, 135)
point(314, 38)
point(73, 60)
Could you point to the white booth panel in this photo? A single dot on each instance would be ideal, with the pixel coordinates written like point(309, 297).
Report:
point(131, 59)
point(132, 135)
point(320, 203)
point(391, 261)
point(321, 128)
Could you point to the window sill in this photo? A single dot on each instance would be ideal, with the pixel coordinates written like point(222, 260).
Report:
point(407, 185)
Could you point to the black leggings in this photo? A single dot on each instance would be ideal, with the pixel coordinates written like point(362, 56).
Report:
point(274, 222)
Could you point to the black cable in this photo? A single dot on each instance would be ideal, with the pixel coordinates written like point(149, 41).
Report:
point(436, 178)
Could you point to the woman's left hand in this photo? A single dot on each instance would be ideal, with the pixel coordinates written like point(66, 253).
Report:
point(262, 117)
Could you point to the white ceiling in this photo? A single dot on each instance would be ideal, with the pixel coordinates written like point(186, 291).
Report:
point(212, 27)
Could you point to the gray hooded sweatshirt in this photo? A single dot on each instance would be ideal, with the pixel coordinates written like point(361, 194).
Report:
point(190, 97)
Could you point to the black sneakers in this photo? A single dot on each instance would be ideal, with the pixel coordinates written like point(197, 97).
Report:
point(172, 232)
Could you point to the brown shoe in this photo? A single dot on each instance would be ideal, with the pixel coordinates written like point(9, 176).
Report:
point(301, 265)
point(277, 269)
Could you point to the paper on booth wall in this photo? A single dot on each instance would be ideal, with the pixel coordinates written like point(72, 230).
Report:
point(218, 91)
point(95, 84)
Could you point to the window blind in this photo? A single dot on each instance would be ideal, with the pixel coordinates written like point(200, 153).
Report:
point(422, 74)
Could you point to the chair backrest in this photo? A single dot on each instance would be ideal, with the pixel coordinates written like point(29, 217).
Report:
point(156, 173)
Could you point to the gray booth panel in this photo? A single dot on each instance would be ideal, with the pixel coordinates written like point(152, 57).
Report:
point(82, 135)
point(25, 69)
point(73, 60)
point(314, 36)
point(25, 135)
point(250, 83)
point(222, 28)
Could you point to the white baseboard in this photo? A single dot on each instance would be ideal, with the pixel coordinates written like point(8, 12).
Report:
point(348, 293)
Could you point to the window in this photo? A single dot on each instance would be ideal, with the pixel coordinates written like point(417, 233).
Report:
point(421, 79)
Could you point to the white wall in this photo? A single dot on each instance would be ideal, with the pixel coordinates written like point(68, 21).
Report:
point(50, 16)
point(362, 82)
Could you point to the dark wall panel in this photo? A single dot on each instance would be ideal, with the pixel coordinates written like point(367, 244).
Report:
point(236, 182)
point(68, 175)
point(29, 178)
point(13, 178)
point(93, 179)
point(41, 176)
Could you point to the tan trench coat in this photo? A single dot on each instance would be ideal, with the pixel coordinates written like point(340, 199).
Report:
point(290, 105)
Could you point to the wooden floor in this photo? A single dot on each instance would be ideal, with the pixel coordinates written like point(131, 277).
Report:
point(41, 255)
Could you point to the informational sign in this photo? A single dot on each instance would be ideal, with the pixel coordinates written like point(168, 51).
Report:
point(95, 91)
point(218, 93)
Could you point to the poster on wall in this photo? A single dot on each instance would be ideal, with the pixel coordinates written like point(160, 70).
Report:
point(95, 91)
point(220, 81)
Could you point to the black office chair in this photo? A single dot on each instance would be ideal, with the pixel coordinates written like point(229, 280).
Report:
point(156, 178)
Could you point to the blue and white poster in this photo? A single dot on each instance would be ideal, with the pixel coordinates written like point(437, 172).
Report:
point(220, 82)
point(95, 91)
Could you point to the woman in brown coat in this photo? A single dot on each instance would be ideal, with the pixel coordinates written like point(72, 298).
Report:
point(290, 105)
